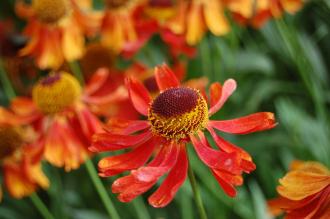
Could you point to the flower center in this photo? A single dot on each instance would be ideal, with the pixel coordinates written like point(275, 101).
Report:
point(10, 140)
point(161, 3)
point(178, 112)
point(55, 92)
point(50, 11)
point(114, 4)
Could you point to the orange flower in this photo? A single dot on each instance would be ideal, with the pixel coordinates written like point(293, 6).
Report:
point(61, 112)
point(256, 13)
point(195, 17)
point(304, 192)
point(122, 28)
point(177, 116)
point(56, 30)
point(20, 160)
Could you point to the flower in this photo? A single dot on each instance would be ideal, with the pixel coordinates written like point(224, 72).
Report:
point(61, 111)
point(256, 13)
point(177, 116)
point(122, 27)
point(195, 17)
point(304, 192)
point(20, 160)
point(56, 30)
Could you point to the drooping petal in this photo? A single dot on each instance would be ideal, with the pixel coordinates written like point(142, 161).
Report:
point(134, 159)
point(166, 192)
point(227, 90)
point(97, 80)
point(165, 78)
point(139, 95)
point(111, 142)
point(215, 17)
point(247, 124)
point(126, 127)
point(142, 179)
point(195, 23)
point(216, 159)
point(226, 186)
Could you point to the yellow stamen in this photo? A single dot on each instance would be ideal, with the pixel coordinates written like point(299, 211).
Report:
point(178, 112)
point(50, 11)
point(10, 140)
point(56, 92)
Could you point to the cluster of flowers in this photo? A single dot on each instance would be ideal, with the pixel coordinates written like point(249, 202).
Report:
point(63, 120)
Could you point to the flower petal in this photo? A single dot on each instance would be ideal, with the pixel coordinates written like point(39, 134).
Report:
point(165, 77)
point(126, 127)
point(142, 179)
point(139, 95)
point(227, 90)
point(226, 186)
point(134, 159)
point(166, 192)
point(111, 142)
point(215, 17)
point(215, 93)
point(247, 124)
point(216, 159)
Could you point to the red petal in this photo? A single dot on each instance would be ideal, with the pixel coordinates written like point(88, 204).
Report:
point(215, 93)
point(226, 186)
point(126, 127)
point(134, 159)
point(247, 124)
point(166, 192)
point(143, 178)
point(89, 123)
point(216, 159)
point(97, 81)
point(111, 142)
point(139, 95)
point(165, 77)
point(227, 90)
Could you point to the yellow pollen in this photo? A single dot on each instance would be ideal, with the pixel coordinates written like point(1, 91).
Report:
point(178, 112)
point(55, 92)
point(10, 140)
point(50, 11)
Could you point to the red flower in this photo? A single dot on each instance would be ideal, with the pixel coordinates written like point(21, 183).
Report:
point(177, 116)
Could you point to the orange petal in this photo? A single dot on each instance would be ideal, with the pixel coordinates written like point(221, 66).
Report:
point(215, 18)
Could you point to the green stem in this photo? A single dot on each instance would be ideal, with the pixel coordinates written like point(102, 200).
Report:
point(101, 190)
point(140, 208)
point(6, 82)
point(197, 194)
point(75, 68)
point(41, 206)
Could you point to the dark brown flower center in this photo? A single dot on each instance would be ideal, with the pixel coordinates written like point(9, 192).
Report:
point(178, 112)
point(113, 4)
point(161, 3)
point(10, 140)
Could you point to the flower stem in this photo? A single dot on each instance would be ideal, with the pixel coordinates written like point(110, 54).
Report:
point(101, 190)
point(141, 210)
point(76, 70)
point(197, 194)
point(41, 206)
point(8, 88)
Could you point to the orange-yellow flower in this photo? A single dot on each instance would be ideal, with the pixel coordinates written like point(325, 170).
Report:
point(61, 111)
point(56, 30)
point(20, 158)
point(304, 192)
point(256, 13)
point(121, 29)
point(176, 116)
point(193, 18)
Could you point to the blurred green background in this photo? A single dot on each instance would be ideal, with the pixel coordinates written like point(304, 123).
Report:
point(283, 67)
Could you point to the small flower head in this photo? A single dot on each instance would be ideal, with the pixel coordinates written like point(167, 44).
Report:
point(50, 11)
point(116, 4)
point(178, 112)
point(55, 92)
